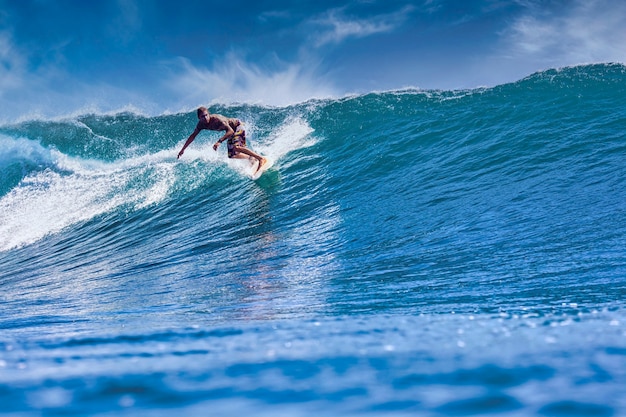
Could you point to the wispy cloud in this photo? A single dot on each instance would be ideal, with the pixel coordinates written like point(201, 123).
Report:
point(48, 90)
point(235, 80)
point(336, 27)
point(586, 31)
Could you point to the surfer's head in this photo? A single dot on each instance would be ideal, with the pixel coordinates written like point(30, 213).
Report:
point(202, 112)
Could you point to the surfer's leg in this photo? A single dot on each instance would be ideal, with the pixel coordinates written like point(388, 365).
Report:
point(242, 150)
point(237, 149)
point(253, 161)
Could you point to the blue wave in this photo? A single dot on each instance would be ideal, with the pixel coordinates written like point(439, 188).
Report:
point(512, 169)
point(505, 200)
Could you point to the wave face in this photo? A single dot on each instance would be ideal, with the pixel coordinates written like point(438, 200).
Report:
point(412, 251)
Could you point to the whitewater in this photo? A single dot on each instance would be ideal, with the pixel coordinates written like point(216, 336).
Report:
point(411, 252)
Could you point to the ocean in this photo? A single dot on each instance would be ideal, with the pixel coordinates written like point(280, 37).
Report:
point(412, 252)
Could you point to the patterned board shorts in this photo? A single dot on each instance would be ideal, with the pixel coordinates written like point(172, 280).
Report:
point(238, 139)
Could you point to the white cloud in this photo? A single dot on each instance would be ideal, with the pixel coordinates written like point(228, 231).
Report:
point(337, 27)
point(543, 35)
point(584, 32)
point(233, 80)
point(49, 91)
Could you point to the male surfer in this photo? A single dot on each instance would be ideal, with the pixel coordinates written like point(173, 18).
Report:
point(234, 133)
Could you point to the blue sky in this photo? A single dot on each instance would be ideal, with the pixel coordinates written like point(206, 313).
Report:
point(71, 56)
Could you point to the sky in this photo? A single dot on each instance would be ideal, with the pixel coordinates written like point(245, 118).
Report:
point(63, 57)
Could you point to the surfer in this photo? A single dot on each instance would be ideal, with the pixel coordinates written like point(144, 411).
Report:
point(235, 134)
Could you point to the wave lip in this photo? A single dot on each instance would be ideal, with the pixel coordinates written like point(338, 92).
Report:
point(24, 151)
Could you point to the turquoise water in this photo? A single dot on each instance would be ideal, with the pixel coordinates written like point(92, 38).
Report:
point(412, 253)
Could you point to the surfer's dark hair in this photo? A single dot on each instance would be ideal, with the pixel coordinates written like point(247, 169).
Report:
point(201, 110)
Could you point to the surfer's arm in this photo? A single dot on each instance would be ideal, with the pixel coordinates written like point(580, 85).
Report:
point(189, 140)
point(229, 133)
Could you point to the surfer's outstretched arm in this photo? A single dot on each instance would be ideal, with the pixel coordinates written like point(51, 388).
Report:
point(189, 140)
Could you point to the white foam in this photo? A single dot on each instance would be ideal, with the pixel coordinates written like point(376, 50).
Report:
point(292, 135)
point(46, 202)
point(13, 150)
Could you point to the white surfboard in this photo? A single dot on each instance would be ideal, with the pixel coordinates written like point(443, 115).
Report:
point(257, 174)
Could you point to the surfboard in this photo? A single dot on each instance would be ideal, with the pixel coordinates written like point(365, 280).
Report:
point(257, 174)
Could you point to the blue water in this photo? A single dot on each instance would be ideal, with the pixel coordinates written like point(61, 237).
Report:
point(412, 253)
